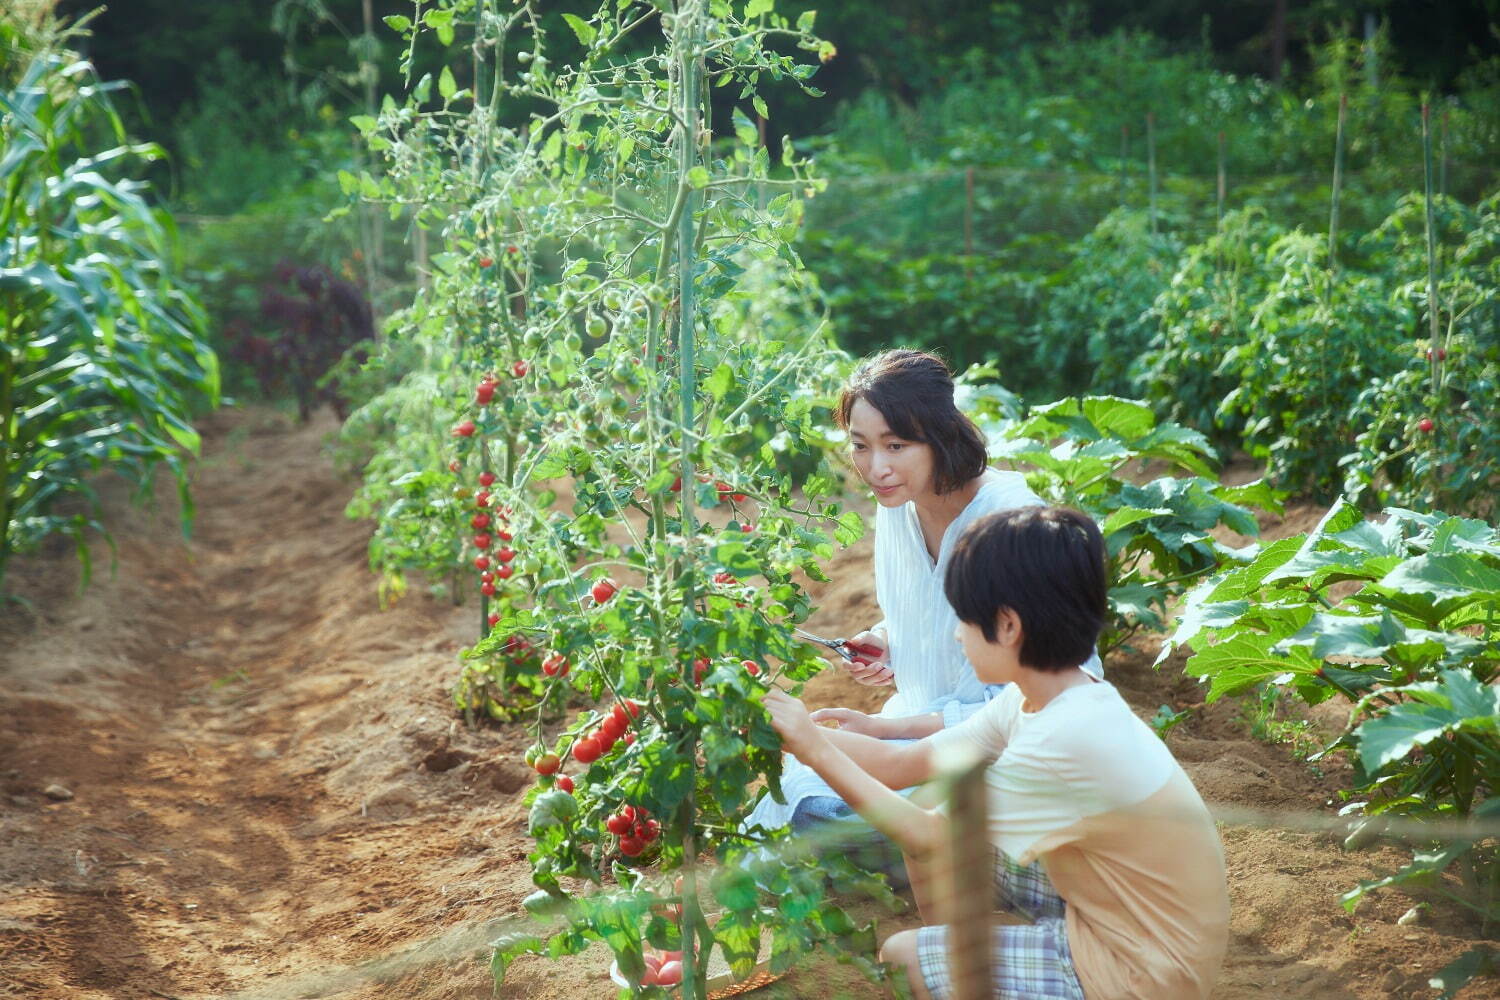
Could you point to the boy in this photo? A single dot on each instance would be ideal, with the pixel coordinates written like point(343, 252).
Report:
point(1099, 837)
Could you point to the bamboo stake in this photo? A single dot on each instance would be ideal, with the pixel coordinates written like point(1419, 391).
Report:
point(1443, 146)
point(1219, 212)
point(1434, 351)
point(1151, 165)
point(1338, 181)
point(1432, 297)
point(685, 40)
point(968, 218)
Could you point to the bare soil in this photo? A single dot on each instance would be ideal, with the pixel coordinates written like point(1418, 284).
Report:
point(268, 793)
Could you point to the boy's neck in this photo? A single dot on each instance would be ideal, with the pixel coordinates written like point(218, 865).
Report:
point(1039, 687)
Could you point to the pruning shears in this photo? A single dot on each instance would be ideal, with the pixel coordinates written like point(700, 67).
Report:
point(853, 652)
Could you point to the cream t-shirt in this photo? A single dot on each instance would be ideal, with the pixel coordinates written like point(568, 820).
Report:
point(1089, 789)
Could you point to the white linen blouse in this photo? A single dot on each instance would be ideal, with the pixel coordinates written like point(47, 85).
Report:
point(930, 670)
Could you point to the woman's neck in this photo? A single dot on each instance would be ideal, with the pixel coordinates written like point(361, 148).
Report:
point(935, 511)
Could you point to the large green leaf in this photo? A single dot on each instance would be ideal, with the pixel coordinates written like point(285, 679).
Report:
point(1450, 581)
point(1457, 702)
point(1242, 661)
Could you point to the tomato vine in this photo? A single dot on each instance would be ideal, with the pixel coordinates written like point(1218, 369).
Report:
point(618, 318)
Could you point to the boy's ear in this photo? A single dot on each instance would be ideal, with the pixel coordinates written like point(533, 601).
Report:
point(1008, 631)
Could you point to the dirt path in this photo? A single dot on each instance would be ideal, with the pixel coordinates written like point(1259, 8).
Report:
point(268, 787)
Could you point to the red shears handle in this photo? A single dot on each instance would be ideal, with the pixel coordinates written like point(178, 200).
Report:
point(864, 653)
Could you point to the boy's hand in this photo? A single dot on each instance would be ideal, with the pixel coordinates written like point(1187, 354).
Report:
point(789, 718)
point(852, 721)
point(872, 667)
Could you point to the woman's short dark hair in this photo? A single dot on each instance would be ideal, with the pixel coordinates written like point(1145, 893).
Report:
point(1046, 564)
point(913, 391)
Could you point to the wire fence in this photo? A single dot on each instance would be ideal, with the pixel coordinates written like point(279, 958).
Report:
point(962, 896)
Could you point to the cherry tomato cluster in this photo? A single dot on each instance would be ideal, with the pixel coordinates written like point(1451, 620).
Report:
point(491, 525)
point(635, 827)
point(547, 764)
point(602, 740)
point(702, 665)
point(484, 392)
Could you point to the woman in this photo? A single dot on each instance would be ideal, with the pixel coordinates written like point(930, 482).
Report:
point(927, 465)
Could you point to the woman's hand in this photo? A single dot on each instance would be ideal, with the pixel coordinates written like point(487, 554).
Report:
point(875, 670)
point(852, 721)
point(789, 718)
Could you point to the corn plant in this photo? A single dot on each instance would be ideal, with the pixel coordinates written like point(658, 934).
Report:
point(101, 356)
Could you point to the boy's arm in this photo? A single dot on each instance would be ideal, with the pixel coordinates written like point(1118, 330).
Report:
point(858, 768)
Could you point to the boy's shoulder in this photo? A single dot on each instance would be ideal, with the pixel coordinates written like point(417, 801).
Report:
point(1090, 727)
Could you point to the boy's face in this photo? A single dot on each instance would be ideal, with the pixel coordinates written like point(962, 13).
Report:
point(896, 469)
point(995, 662)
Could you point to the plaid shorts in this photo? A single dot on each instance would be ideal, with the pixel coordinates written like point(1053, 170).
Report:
point(1030, 961)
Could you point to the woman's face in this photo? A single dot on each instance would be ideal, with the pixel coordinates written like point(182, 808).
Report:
point(896, 469)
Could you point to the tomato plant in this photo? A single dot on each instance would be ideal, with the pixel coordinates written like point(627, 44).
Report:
point(616, 311)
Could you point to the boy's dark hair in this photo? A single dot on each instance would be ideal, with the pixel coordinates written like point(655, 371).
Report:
point(1046, 564)
point(913, 391)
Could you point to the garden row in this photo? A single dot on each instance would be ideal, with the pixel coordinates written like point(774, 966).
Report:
point(615, 436)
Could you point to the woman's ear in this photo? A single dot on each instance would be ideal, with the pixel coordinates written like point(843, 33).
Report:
point(1008, 631)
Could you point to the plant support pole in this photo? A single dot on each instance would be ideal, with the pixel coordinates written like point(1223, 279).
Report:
point(1219, 213)
point(1432, 289)
point(685, 36)
point(1151, 165)
point(1338, 181)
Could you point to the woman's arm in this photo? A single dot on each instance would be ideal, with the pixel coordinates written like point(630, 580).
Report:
point(863, 771)
point(909, 727)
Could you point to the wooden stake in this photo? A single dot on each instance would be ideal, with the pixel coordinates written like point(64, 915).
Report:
point(969, 913)
point(1443, 162)
point(1338, 181)
point(1219, 216)
point(968, 218)
point(1432, 295)
point(1151, 165)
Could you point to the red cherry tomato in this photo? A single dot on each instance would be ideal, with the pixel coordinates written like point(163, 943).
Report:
point(587, 750)
point(603, 590)
point(631, 846)
point(481, 562)
point(486, 479)
point(565, 783)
